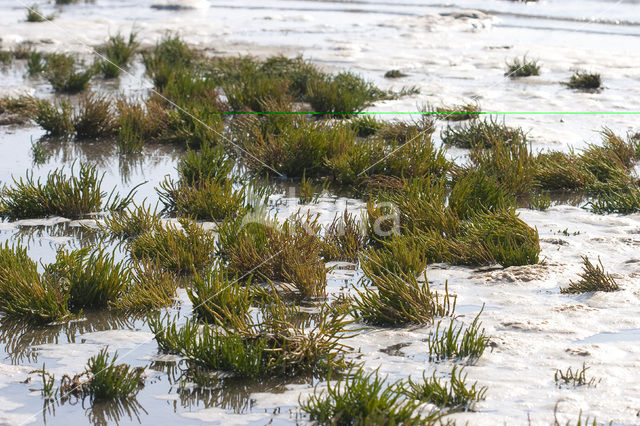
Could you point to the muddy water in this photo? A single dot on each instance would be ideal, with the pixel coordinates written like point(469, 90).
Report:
point(452, 58)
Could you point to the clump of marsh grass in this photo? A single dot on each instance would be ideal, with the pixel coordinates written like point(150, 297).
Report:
point(397, 94)
point(23, 292)
point(573, 378)
point(21, 105)
point(87, 278)
point(610, 178)
point(296, 71)
point(478, 191)
point(6, 57)
point(35, 15)
point(457, 341)
point(205, 188)
point(458, 112)
point(604, 165)
point(344, 238)
point(94, 118)
point(150, 288)
point(258, 92)
point(273, 345)
point(399, 299)
point(195, 120)
point(475, 233)
point(581, 80)
point(582, 421)
point(627, 152)
point(36, 63)
point(292, 145)
point(288, 253)
point(416, 158)
point(461, 250)
point(394, 74)
point(360, 398)
point(522, 67)
point(398, 254)
point(603, 173)
point(169, 56)
point(455, 395)
point(381, 222)
point(60, 195)
point(558, 171)
point(219, 298)
point(102, 380)
point(510, 163)
point(508, 239)
point(92, 278)
point(18, 110)
point(64, 74)
point(110, 381)
point(137, 122)
point(539, 201)
point(309, 192)
point(400, 132)
point(118, 53)
point(55, 118)
point(366, 125)
point(255, 85)
point(622, 196)
point(342, 94)
point(207, 163)
point(183, 250)
point(48, 383)
point(487, 238)
point(22, 51)
point(482, 133)
point(592, 278)
point(131, 222)
point(209, 200)
point(130, 136)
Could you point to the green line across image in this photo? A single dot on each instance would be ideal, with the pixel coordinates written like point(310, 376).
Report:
point(434, 113)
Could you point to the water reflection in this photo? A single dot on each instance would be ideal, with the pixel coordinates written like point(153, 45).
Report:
point(60, 150)
point(129, 166)
point(113, 412)
point(198, 388)
point(99, 413)
point(154, 161)
point(57, 234)
point(20, 339)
